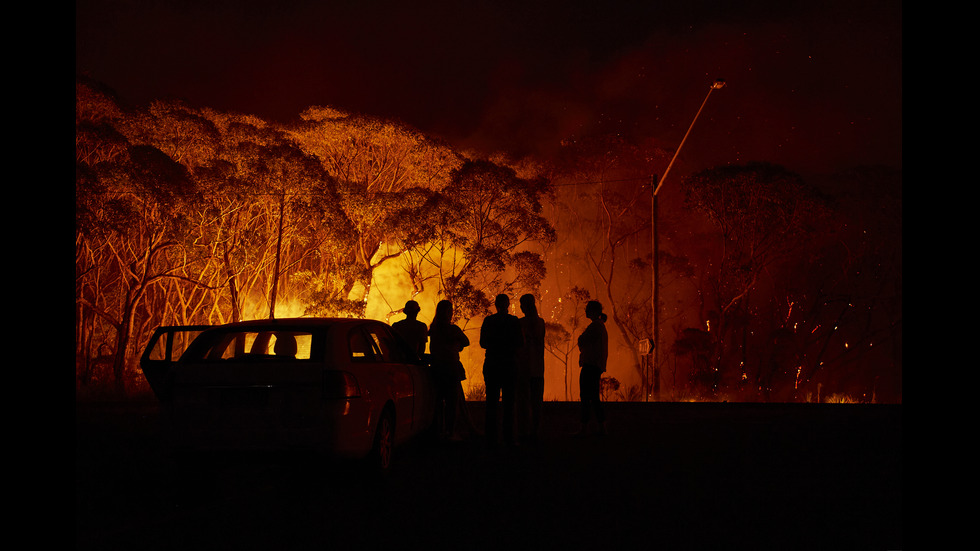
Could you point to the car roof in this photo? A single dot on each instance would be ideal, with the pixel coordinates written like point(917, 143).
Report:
point(296, 322)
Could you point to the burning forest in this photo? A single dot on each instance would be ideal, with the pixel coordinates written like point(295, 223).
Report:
point(769, 287)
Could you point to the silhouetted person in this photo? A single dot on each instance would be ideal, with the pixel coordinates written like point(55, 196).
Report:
point(530, 371)
point(412, 330)
point(593, 346)
point(285, 345)
point(501, 337)
point(446, 341)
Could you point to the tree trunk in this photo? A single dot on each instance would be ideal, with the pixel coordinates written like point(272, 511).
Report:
point(124, 334)
point(236, 314)
point(278, 263)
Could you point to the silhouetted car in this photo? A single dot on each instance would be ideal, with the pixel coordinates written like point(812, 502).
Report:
point(349, 387)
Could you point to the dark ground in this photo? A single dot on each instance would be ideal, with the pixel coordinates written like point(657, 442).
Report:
point(668, 476)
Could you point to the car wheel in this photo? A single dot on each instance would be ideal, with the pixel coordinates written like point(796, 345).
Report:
point(384, 441)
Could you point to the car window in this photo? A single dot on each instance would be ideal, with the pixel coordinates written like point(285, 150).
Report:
point(362, 349)
point(261, 345)
point(385, 343)
point(180, 339)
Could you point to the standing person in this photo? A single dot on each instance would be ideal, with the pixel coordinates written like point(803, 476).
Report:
point(501, 337)
point(447, 340)
point(593, 346)
point(530, 380)
point(412, 330)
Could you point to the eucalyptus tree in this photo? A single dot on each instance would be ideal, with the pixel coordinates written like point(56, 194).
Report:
point(483, 227)
point(190, 137)
point(605, 205)
point(266, 183)
point(185, 134)
point(132, 210)
point(566, 323)
point(386, 175)
point(764, 216)
point(135, 211)
point(98, 145)
point(840, 313)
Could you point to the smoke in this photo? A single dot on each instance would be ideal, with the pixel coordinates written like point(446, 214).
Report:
point(810, 86)
point(814, 91)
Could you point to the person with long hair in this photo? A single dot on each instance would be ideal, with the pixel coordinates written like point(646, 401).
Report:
point(446, 341)
point(593, 346)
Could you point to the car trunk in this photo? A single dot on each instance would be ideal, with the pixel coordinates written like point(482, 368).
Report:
point(268, 404)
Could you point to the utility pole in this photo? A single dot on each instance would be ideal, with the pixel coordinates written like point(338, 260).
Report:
point(654, 365)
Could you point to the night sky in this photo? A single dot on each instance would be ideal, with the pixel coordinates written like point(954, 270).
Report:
point(815, 86)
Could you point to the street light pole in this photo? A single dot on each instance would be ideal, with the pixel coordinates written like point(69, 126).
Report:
point(716, 85)
point(655, 280)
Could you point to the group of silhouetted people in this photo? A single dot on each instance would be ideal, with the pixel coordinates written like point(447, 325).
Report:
point(513, 368)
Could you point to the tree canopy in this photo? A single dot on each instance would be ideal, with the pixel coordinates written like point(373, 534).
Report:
point(187, 215)
point(775, 287)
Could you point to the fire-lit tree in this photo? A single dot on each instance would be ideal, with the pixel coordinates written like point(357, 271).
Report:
point(130, 212)
point(193, 216)
point(183, 133)
point(605, 196)
point(133, 217)
point(161, 241)
point(190, 215)
point(97, 142)
point(565, 322)
point(482, 228)
point(386, 175)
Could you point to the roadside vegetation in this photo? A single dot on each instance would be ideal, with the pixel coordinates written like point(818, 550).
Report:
point(771, 285)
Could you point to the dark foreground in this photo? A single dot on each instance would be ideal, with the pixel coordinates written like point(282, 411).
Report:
point(673, 476)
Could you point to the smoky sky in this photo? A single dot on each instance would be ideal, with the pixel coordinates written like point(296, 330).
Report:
point(813, 86)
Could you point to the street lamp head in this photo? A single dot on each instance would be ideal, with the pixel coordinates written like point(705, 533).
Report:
point(719, 83)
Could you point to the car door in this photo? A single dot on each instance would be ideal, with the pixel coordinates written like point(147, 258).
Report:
point(164, 348)
point(400, 373)
point(423, 386)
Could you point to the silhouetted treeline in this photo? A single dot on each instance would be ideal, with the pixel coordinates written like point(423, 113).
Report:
point(771, 287)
